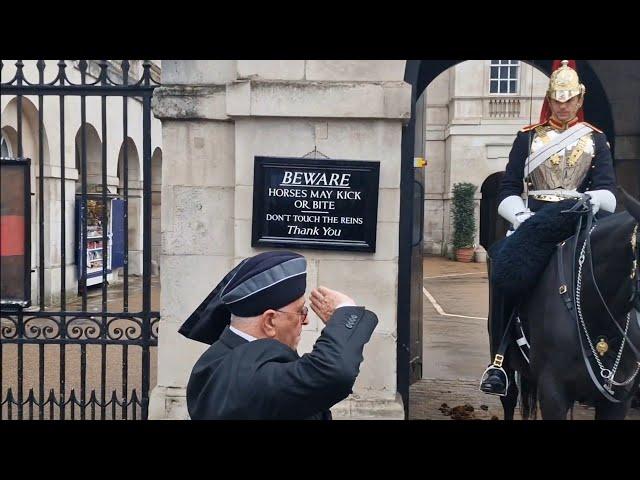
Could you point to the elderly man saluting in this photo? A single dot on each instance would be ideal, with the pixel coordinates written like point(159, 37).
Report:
point(253, 320)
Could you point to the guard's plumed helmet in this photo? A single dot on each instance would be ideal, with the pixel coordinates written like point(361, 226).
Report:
point(564, 83)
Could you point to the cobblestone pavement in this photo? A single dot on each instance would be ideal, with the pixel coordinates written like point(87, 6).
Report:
point(456, 349)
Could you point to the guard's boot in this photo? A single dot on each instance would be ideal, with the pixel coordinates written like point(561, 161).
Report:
point(494, 379)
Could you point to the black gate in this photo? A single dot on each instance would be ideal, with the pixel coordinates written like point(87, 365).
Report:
point(84, 356)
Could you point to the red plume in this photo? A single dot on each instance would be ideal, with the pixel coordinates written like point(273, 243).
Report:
point(545, 114)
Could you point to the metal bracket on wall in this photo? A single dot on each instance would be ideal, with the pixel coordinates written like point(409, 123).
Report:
point(315, 153)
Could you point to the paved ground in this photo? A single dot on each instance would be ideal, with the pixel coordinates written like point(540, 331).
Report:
point(456, 349)
point(118, 358)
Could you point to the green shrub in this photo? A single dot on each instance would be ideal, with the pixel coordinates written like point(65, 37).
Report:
point(462, 211)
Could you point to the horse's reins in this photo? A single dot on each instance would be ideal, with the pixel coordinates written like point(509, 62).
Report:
point(581, 207)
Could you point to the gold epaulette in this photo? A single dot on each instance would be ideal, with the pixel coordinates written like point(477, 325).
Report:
point(596, 129)
point(531, 127)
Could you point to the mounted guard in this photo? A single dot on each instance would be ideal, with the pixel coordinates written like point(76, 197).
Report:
point(561, 157)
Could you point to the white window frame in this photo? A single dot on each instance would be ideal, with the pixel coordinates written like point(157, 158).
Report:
point(508, 79)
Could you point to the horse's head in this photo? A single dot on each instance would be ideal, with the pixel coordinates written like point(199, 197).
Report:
point(606, 280)
point(633, 208)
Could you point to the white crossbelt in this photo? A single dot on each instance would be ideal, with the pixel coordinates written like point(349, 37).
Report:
point(560, 142)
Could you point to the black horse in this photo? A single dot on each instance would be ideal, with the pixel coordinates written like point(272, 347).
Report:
point(589, 284)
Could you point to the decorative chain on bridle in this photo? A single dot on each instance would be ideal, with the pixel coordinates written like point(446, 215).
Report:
point(607, 374)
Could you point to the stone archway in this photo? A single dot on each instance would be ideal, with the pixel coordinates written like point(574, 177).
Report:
point(469, 133)
point(30, 135)
point(9, 141)
point(134, 211)
point(28, 146)
point(419, 74)
point(93, 155)
point(218, 141)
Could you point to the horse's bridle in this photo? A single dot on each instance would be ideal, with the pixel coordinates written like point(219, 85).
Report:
point(635, 271)
point(583, 207)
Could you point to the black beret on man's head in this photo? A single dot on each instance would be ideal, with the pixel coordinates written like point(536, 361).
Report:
point(268, 280)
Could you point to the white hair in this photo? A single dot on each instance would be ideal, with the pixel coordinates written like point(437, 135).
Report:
point(248, 325)
point(243, 321)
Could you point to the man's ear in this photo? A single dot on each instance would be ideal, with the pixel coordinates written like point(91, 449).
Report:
point(267, 323)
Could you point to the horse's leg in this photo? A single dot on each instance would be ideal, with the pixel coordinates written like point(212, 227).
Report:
point(554, 400)
point(509, 402)
point(605, 410)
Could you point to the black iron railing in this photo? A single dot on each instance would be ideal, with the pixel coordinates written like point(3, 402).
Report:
point(57, 362)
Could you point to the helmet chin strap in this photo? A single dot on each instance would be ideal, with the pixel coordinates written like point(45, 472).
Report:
point(563, 123)
point(577, 114)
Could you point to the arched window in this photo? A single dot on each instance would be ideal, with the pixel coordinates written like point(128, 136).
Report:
point(5, 148)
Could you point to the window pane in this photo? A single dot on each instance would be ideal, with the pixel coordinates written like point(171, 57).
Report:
point(513, 72)
point(494, 72)
point(504, 72)
point(503, 87)
point(494, 86)
point(495, 62)
point(512, 86)
point(504, 62)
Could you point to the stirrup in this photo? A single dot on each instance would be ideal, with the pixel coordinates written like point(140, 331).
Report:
point(496, 365)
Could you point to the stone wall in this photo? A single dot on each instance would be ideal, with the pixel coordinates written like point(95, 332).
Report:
point(217, 116)
point(468, 138)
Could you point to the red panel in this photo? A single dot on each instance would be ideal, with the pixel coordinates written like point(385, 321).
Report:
point(11, 235)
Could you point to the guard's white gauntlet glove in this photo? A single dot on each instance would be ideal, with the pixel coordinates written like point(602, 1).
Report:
point(512, 209)
point(602, 199)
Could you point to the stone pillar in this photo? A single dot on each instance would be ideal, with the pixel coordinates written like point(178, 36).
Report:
point(436, 171)
point(52, 236)
point(135, 227)
point(218, 115)
point(197, 208)
point(156, 192)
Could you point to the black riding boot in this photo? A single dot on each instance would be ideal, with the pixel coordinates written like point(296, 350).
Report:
point(494, 380)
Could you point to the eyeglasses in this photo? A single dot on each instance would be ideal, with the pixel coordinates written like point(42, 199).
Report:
point(303, 313)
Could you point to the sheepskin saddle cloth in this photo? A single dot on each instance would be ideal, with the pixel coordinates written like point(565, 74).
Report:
point(518, 261)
